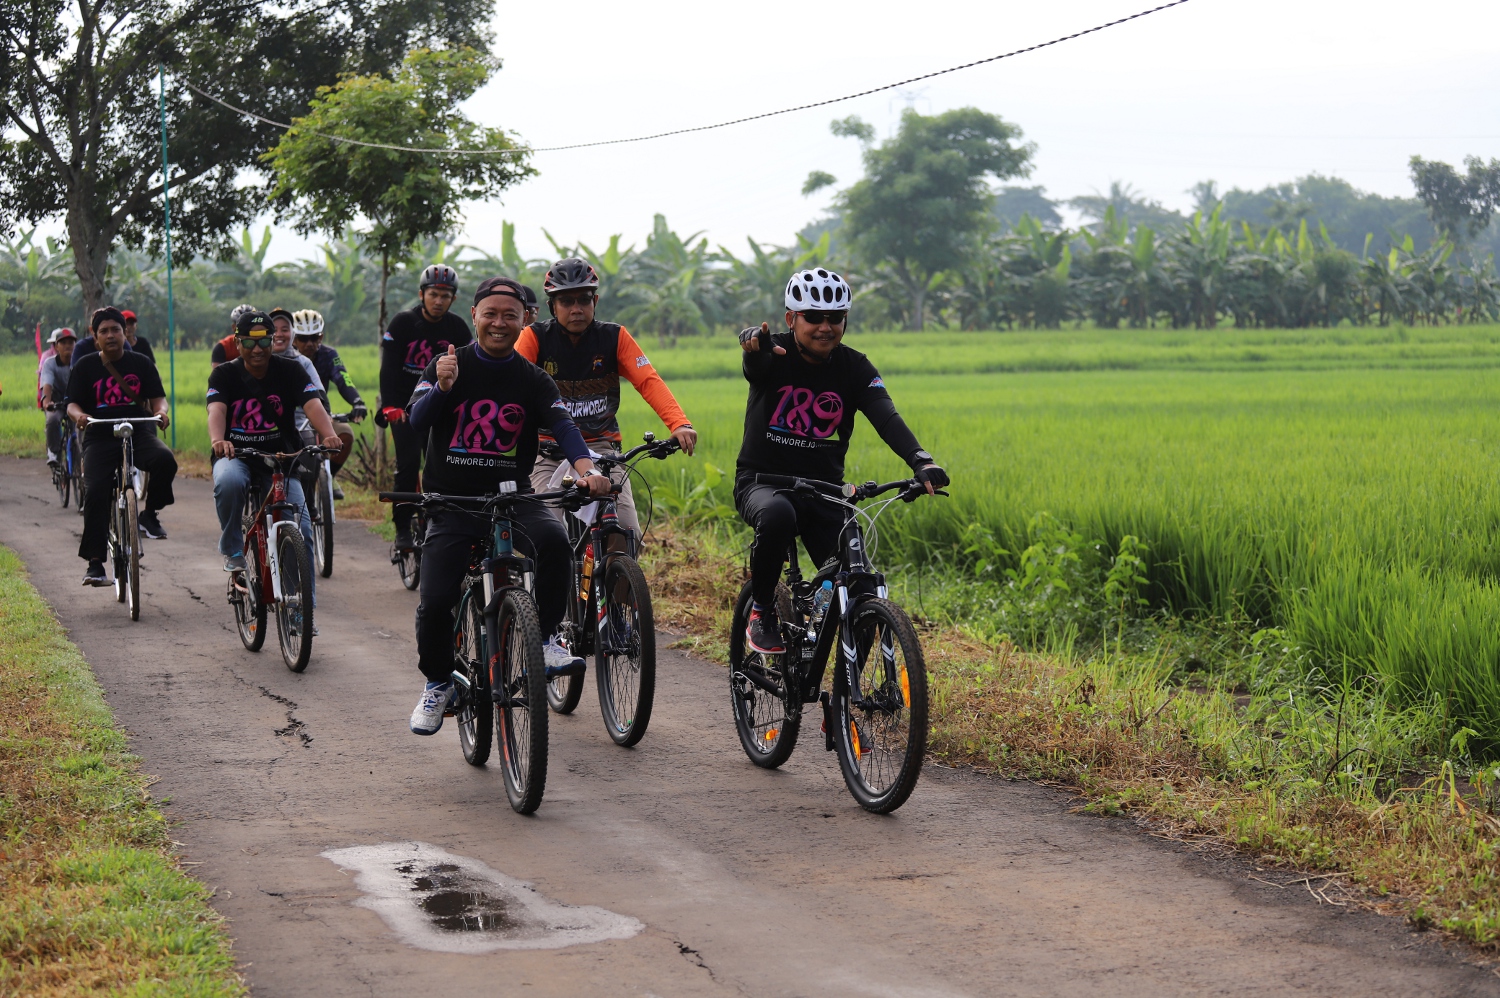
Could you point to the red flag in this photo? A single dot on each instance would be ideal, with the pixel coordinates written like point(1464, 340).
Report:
point(38, 341)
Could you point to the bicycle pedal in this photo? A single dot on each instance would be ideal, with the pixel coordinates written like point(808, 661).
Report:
point(827, 726)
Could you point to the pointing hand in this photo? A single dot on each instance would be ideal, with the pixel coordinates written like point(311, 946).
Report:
point(447, 369)
point(752, 340)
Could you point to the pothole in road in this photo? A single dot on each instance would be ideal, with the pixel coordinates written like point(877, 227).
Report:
point(437, 900)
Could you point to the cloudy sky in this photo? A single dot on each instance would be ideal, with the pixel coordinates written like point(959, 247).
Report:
point(1245, 93)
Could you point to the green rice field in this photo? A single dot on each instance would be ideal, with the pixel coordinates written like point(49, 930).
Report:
point(1339, 484)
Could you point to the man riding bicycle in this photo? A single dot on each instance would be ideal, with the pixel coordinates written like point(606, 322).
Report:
point(252, 402)
point(587, 358)
point(116, 383)
point(805, 388)
point(307, 337)
point(414, 339)
point(478, 409)
point(52, 381)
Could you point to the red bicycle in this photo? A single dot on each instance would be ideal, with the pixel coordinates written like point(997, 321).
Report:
point(278, 566)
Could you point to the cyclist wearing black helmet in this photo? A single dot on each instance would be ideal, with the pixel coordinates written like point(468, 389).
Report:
point(413, 339)
point(805, 387)
point(587, 359)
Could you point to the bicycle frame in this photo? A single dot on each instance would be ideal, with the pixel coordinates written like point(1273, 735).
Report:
point(275, 514)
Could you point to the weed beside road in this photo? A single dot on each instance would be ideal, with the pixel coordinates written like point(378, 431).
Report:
point(91, 896)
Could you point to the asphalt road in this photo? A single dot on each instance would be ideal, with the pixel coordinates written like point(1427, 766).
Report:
point(736, 880)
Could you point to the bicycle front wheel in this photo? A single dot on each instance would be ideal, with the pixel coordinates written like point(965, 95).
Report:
point(245, 594)
point(131, 542)
point(294, 611)
point(62, 481)
point(766, 716)
point(625, 651)
point(476, 718)
point(519, 680)
point(880, 703)
point(323, 525)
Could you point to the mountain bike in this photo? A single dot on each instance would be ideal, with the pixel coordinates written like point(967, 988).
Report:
point(408, 561)
point(500, 675)
point(278, 568)
point(124, 544)
point(67, 473)
point(875, 714)
point(319, 491)
point(609, 611)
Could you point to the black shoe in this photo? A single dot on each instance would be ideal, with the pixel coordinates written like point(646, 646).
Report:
point(338, 493)
point(95, 575)
point(151, 526)
point(403, 539)
point(764, 633)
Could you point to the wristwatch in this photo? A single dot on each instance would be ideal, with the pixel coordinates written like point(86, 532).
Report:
point(920, 458)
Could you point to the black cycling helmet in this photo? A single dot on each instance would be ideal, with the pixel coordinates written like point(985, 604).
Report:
point(439, 275)
point(571, 274)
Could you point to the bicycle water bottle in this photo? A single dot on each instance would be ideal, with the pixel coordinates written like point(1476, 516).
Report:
point(821, 599)
point(585, 580)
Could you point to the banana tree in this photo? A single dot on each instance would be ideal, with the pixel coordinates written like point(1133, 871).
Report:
point(757, 285)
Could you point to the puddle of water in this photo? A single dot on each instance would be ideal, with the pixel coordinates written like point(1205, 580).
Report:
point(436, 900)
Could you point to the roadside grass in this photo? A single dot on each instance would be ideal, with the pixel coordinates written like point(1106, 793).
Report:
point(92, 899)
point(1309, 779)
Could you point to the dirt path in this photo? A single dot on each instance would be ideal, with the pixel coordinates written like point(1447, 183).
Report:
point(747, 882)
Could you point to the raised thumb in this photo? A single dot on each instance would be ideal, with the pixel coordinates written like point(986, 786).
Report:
point(452, 352)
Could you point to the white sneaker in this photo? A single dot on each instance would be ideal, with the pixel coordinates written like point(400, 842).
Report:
point(557, 658)
point(428, 717)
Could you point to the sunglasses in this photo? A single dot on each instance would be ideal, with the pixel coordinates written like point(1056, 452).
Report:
point(255, 342)
point(574, 301)
point(818, 318)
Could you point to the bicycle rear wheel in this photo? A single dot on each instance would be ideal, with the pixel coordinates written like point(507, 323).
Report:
point(294, 611)
point(130, 528)
point(62, 481)
point(767, 722)
point(625, 651)
point(564, 692)
point(322, 523)
point(880, 703)
point(519, 682)
point(409, 560)
point(476, 716)
point(118, 561)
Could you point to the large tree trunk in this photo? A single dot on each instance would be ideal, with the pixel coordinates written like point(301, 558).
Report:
point(90, 249)
point(916, 290)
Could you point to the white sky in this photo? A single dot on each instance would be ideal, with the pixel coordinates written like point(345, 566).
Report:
point(1246, 92)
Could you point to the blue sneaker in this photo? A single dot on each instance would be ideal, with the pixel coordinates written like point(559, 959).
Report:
point(428, 717)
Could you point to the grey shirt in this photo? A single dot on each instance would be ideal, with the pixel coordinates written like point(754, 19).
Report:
point(290, 353)
point(56, 375)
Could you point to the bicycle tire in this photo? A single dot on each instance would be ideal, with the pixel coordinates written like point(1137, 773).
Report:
point(475, 715)
point(62, 481)
point(116, 548)
point(323, 527)
point(75, 466)
point(249, 607)
point(626, 681)
point(766, 723)
point(130, 527)
point(520, 698)
point(564, 692)
point(882, 738)
point(294, 610)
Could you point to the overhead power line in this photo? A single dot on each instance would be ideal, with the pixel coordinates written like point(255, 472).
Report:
point(521, 150)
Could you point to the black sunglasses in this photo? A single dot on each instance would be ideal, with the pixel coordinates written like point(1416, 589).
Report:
point(255, 342)
point(573, 301)
point(818, 318)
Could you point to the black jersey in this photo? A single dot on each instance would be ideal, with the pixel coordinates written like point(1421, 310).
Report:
point(97, 393)
point(800, 415)
point(483, 430)
point(262, 411)
point(409, 345)
point(333, 374)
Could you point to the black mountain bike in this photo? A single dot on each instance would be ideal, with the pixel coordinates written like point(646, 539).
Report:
point(124, 522)
point(875, 715)
point(67, 473)
point(500, 675)
point(609, 612)
point(319, 492)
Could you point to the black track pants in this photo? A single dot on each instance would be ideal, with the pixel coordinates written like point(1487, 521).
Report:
point(778, 519)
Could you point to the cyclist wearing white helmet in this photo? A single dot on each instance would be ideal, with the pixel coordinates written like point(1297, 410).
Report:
point(307, 337)
point(408, 345)
point(805, 387)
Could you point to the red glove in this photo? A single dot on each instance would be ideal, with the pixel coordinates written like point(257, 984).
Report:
point(393, 414)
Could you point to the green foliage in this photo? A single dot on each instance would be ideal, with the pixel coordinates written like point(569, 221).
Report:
point(1460, 205)
point(326, 185)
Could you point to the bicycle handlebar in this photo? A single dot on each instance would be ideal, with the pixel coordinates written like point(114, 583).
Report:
point(283, 456)
point(911, 487)
point(123, 419)
point(567, 496)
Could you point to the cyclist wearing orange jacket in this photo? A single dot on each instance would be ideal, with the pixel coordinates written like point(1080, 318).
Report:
point(587, 359)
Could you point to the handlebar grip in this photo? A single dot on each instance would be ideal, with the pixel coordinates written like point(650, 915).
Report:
point(400, 497)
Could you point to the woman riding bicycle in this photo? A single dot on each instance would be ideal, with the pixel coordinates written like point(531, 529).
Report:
point(805, 388)
point(479, 408)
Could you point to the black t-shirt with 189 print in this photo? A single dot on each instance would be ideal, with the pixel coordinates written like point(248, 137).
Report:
point(483, 430)
point(262, 411)
point(99, 395)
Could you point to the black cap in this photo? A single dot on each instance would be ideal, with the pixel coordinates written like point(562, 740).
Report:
point(284, 313)
point(500, 286)
point(254, 323)
point(530, 295)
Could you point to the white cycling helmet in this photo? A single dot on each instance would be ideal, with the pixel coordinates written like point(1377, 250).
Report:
point(236, 312)
point(307, 322)
point(817, 289)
